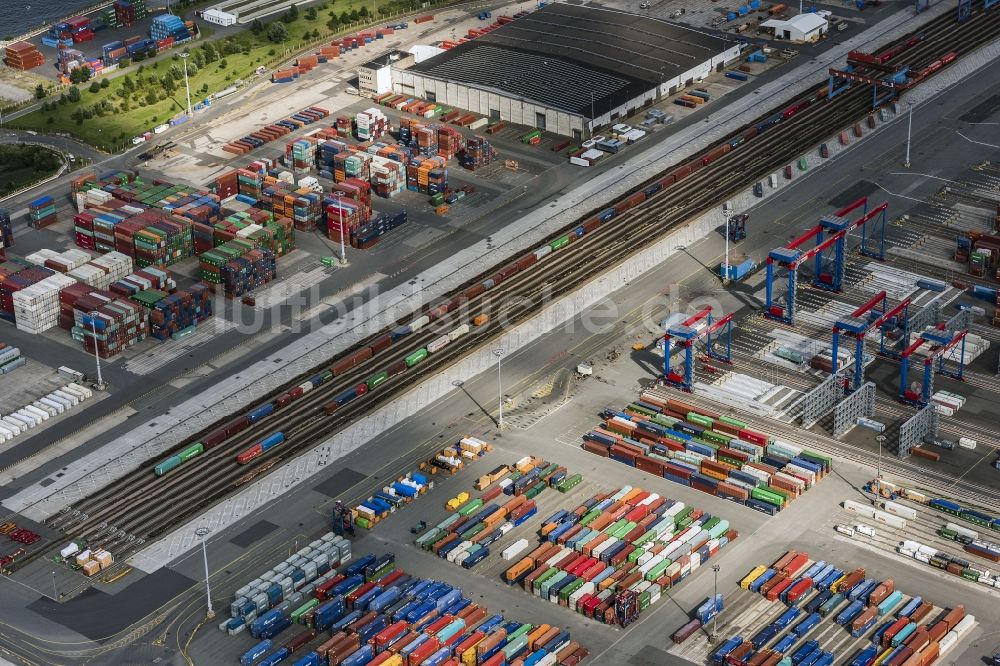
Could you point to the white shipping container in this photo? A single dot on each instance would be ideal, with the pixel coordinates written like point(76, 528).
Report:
point(514, 549)
point(860, 509)
point(899, 510)
point(967, 443)
point(889, 519)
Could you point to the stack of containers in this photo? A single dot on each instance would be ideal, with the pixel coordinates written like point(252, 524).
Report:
point(307, 209)
point(36, 307)
point(449, 141)
point(23, 56)
point(107, 325)
point(371, 124)
point(251, 181)
point(388, 176)
point(6, 233)
point(113, 52)
point(169, 29)
point(81, 28)
point(426, 139)
point(227, 185)
point(287, 586)
point(347, 207)
point(212, 262)
point(15, 275)
point(366, 235)
point(103, 271)
point(328, 150)
point(300, 154)
point(478, 153)
point(358, 165)
point(150, 278)
point(10, 360)
point(109, 17)
point(628, 540)
point(176, 313)
point(58, 36)
point(42, 212)
point(129, 12)
point(711, 454)
point(251, 271)
point(58, 261)
point(376, 613)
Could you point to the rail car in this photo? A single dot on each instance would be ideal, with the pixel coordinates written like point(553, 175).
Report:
point(260, 448)
point(179, 459)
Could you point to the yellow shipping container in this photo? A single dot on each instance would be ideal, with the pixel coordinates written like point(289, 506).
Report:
point(752, 576)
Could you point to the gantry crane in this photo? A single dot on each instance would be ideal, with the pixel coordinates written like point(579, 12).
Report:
point(686, 334)
point(829, 271)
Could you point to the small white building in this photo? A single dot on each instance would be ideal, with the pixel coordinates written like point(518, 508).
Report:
point(219, 17)
point(800, 28)
point(375, 76)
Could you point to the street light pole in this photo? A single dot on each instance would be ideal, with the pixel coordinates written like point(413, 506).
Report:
point(498, 353)
point(55, 593)
point(878, 468)
point(187, 86)
point(909, 130)
point(715, 618)
point(203, 532)
point(97, 355)
point(343, 248)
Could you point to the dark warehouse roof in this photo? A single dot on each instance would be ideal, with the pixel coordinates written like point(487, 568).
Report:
point(559, 55)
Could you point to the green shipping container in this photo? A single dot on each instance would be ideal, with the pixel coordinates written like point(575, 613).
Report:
point(377, 379)
point(303, 609)
point(191, 452)
point(634, 556)
point(469, 507)
point(514, 646)
point(537, 583)
point(570, 483)
point(416, 357)
point(658, 570)
point(473, 531)
point(560, 242)
point(644, 600)
point(589, 517)
point(565, 593)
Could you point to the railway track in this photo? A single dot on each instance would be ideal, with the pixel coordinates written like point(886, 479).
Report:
point(140, 506)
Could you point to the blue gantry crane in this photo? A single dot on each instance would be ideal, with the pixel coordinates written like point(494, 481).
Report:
point(828, 254)
point(859, 325)
point(685, 334)
point(940, 341)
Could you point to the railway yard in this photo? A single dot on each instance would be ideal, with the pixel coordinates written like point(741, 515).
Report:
point(535, 426)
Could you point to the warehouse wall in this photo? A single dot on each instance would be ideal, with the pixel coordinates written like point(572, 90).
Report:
point(485, 102)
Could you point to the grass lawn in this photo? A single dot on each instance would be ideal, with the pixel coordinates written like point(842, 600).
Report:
point(23, 164)
point(150, 94)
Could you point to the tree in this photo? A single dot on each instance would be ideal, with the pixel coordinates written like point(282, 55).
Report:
point(256, 27)
point(277, 33)
point(355, 15)
point(74, 94)
point(211, 55)
point(128, 84)
point(334, 23)
point(50, 121)
point(152, 97)
point(79, 75)
point(311, 14)
point(40, 91)
point(345, 17)
point(95, 87)
point(105, 83)
point(142, 68)
point(363, 12)
point(223, 64)
point(292, 15)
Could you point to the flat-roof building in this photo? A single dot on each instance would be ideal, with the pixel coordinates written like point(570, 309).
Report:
point(567, 69)
point(800, 28)
point(375, 76)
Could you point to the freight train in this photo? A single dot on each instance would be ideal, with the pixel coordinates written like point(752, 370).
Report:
point(955, 509)
point(650, 190)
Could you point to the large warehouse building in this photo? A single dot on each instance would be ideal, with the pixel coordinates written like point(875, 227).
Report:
point(567, 69)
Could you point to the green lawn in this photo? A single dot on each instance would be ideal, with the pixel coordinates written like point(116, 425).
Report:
point(150, 94)
point(23, 164)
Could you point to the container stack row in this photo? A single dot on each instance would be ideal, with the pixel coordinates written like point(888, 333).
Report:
point(286, 586)
point(465, 536)
point(374, 612)
point(108, 327)
point(23, 56)
point(42, 212)
point(706, 451)
point(50, 405)
point(274, 131)
point(614, 555)
point(177, 314)
point(10, 358)
point(905, 630)
point(129, 12)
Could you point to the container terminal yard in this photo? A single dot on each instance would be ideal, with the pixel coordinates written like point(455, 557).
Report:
point(584, 413)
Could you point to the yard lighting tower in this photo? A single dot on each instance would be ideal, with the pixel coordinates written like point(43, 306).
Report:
point(187, 86)
point(715, 618)
point(909, 130)
point(97, 355)
point(498, 353)
point(202, 532)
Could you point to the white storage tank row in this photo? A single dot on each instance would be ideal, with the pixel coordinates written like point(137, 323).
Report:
point(52, 404)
